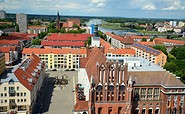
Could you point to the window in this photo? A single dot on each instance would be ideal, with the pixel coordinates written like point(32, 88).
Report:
point(143, 111)
point(149, 93)
point(143, 93)
point(150, 111)
point(5, 101)
point(182, 98)
point(5, 94)
point(17, 88)
point(17, 94)
point(157, 111)
point(1, 94)
point(156, 93)
point(175, 98)
point(4, 88)
point(24, 94)
point(24, 100)
point(18, 100)
point(21, 94)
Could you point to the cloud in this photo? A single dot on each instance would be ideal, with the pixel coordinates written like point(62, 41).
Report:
point(98, 3)
point(149, 7)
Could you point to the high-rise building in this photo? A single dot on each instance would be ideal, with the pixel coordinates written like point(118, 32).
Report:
point(2, 14)
point(22, 21)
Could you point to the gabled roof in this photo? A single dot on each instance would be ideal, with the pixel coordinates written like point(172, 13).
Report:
point(18, 36)
point(25, 72)
point(128, 40)
point(7, 49)
point(164, 78)
point(96, 57)
point(162, 40)
point(121, 39)
point(58, 43)
point(81, 106)
point(68, 37)
point(140, 37)
point(147, 49)
point(53, 50)
point(120, 51)
point(105, 44)
point(12, 42)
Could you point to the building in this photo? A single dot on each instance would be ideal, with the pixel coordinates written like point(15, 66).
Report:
point(181, 24)
point(65, 40)
point(60, 59)
point(16, 43)
point(118, 41)
point(2, 63)
point(173, 23)
point(131, 86)
point(36, 29)
point(140, 38)
point(71, 24)
point(19, 89)
point(11, 54)
point(95, 39)
point(22, 22)
point(2, 14)
point(168, 43)
point(151, 54)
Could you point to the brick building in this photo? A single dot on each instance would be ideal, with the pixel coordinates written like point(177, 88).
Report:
point(129, 86)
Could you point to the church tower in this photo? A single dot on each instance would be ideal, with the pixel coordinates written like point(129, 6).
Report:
point(58, 21)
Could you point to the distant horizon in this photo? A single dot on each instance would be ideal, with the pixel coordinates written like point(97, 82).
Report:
point(165, 9)
point(94, 16)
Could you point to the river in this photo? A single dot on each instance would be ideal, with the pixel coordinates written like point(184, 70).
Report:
point(99, 21)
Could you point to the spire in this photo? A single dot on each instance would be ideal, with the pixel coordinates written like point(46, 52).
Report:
point(58, 20)
point(58, 16)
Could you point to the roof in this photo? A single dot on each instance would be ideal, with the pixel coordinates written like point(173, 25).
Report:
point(162, 40)
point(57, 43)
point(13, 42)
point(18, 36)
point(128, 40)
point(53, 50)
point(147, 43)
point(7, 49)
point(163, 78)
point(68, 37)
point(74, 20)
point(147, 49)
point(81, 106)
point(36, 27)
point(120, 51)
point(105, 44)
point(140, 37)
point(96, 57)
point(25, 71)
point(121, 39)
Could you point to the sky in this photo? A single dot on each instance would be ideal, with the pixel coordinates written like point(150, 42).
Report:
point(172, 9)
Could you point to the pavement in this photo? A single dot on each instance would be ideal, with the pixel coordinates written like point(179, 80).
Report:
point(57, 99)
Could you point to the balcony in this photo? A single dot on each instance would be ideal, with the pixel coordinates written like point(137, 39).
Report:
point(12, 103)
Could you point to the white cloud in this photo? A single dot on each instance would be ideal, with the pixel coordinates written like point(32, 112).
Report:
point(170, 8)
point(98, 1)
point(149, 7)
point(101, 5)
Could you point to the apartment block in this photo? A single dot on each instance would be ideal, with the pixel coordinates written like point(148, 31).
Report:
point(22, 21)
point(60, 59)
point(65, 40)
point(2, 63)
point(2, 14)
point(118, 41)
point(20, 88)
point(151, 54)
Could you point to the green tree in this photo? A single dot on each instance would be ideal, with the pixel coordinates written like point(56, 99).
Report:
point(170, 66)
point(75, 26)
point(36, 41)
point(178, 52)
point(89, 41)
point(162, 48)
point(42, 35)
point(143, 40)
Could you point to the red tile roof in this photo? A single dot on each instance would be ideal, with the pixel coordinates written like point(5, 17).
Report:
point(140, 37)
point(147, 43)
point(81, 106)
point(162, 40)
point(36, 27)
point(124, 40)
point(121, 51)
point(68, 37)
point(24, 73)
point(95, 57)
point(7, 49)
point(53, 50)
point(105, 44)
point(18, 36)
point(13, 42)
point(57, 43)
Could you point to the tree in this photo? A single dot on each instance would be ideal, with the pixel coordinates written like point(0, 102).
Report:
point(170, 66)
point(161, 48)
point(42, 35)
point(89, 41)
point(36, 41)
point(178, 52)
point(75, 26)
point(143, 40)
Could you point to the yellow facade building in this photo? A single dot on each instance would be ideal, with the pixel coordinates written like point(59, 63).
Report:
point(2, 63)
point(153, 55)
